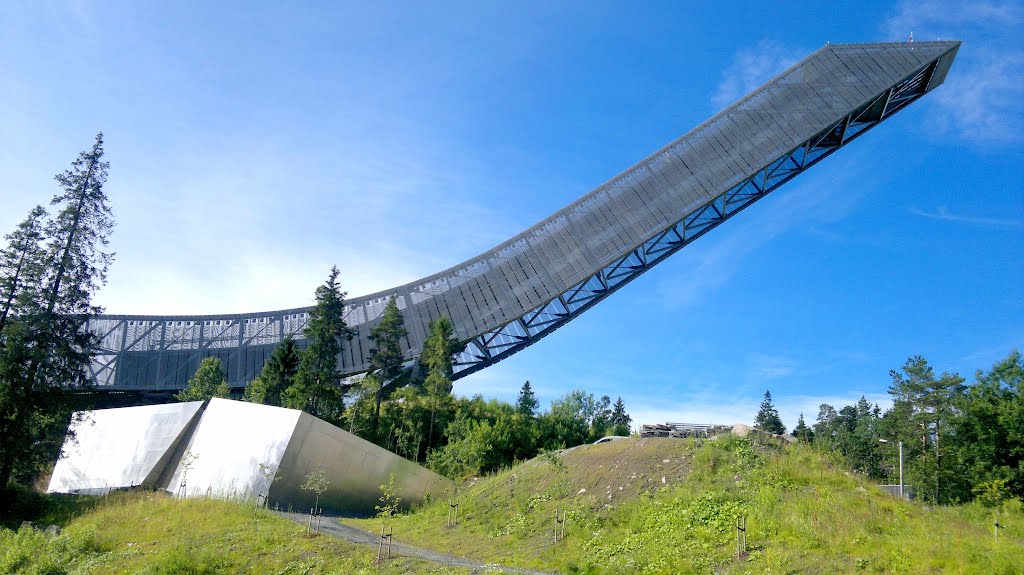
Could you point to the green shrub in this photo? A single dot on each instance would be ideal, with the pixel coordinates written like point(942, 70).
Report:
point(32, 552)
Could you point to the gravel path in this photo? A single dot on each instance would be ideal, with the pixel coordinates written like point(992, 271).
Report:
point(331, 526)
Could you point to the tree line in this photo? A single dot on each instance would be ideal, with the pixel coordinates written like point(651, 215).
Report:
point(960, 441)
point(410, 409)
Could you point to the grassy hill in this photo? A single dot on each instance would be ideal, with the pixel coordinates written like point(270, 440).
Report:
point(633, 506)
point(670, 506)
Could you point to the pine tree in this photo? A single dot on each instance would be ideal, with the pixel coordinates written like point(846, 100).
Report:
point(931, 403)
point(385, 356)
point(208, 382)
point(277, 375)
point(45, 348)
point(21, 267)
point(317, 388)
point(438, 356)
point(527, 403)
point(767, 419)
point(620, 419)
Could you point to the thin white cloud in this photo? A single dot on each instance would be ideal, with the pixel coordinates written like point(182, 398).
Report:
point(819, 197)
point(763, 366)
point(930, 18)
point(942, 213)
point(750, 68)
point(983, 101)
point(992, 354)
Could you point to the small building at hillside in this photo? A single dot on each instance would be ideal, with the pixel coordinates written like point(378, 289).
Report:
point(233, 449)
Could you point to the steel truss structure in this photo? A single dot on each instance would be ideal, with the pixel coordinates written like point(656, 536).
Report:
point(515, 294)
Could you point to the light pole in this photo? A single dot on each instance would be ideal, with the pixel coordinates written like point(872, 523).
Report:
point(901, 464)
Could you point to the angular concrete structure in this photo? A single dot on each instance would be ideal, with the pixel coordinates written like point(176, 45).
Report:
point(123, 447)
point(233, 449)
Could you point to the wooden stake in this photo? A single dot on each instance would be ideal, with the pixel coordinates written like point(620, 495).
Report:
point(380, 547)
point(559, 523)
point(741, 536)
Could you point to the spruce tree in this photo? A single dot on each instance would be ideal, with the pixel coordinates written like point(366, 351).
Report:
point(620, 419)
point(438, 356)
point(385, 356)
point(277, 375)
point(801, 431)
point(527, 403)
point(317, 388)
point(208, 382)
point(767, 419)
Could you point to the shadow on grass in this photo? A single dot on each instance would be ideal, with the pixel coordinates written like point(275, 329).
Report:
point(19, 503)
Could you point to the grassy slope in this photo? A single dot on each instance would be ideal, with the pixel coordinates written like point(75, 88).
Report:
point(153, 533)
point(804, 515)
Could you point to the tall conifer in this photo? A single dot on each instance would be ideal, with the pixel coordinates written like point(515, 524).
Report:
point(45, 346)
point(21, 266)
point(386, 355)
point(438, 355)
point(768, 418)
point(317, 388)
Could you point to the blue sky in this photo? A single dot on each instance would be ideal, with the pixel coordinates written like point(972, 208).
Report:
point(255, 145)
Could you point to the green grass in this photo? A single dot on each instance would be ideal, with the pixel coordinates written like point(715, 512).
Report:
point(804, 515)
point(151, 533)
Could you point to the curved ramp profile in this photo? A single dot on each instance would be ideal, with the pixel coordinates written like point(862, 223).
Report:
point(511, 296)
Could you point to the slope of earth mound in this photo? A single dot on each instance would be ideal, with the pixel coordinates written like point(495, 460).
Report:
point(671, 506)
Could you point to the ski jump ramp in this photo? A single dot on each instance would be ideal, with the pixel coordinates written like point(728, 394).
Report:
point(518, 292)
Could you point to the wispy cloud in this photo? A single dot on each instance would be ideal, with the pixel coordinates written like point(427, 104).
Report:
point(818, 197)
point(942, 213)
point(984, 102)
point(994, 353)
point(240, 227)
point(938, 16)
point(765, 366)
point(750, 68)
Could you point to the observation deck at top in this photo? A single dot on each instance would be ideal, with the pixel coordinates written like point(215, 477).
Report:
point(516, 293)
